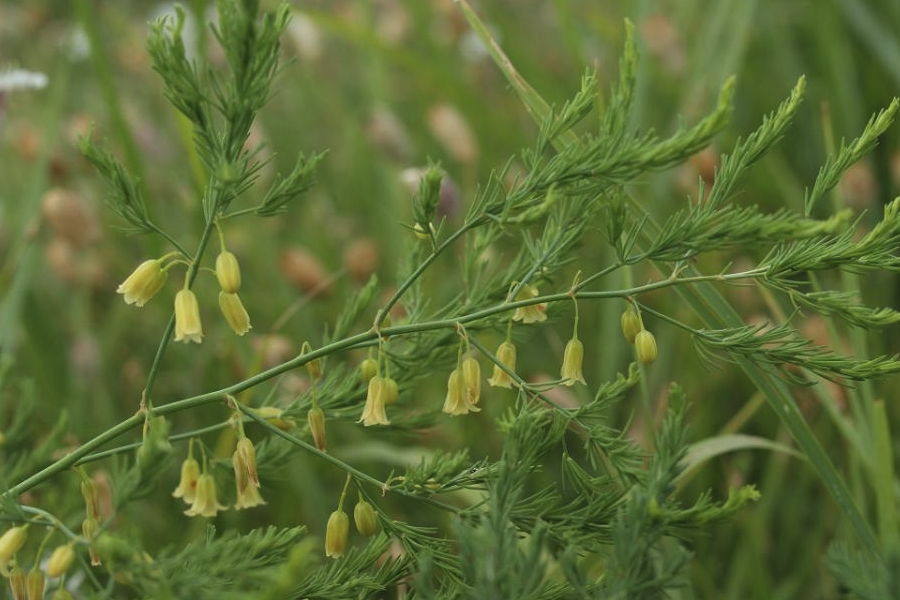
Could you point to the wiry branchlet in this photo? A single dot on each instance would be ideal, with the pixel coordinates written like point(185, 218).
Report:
point(365, 519)
point(457, 400)
point(143, 283)
point(234, 312)
point(206, 504)
point(631, 325)
point(572, 359)
point(11, 542)
point(228, 272)
point(336, 533)
point(60, 560)
point(187, 318)
point(645, 344)
point(373, 412)
point(533, 313)
point(187, 485)
point(506, 354)
point(316, 419)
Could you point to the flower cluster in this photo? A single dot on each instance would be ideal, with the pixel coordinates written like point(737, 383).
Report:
point(151, 275)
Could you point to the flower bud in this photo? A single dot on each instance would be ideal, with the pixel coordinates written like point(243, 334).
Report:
point(645, 344)
point(506, 354)
point(391, 391)
point(472, 378)
point(205, 502)
point(60, 560)
point(62, 593)
point(316, 419)
point(234, 312)
point(373, 412)
point(457, 401)
point(228, 272)
point(89, 529)
point(631, 325)
point(336, 534)
point(245, 459)
point(11, 542)
point(187, 486)
point(89, 493)
point(34, 585)
point(146, 280)
point(422, 233)
point(187, 318)
point(572, 358)
point(368, 369)
point(364, 517)
point(17, 579)
point(273, 415)
point(533, 313)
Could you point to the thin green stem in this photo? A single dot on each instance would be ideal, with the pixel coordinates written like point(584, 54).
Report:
point(384, 310)
point(187, 435)
point(169, 238)
point(354, 341)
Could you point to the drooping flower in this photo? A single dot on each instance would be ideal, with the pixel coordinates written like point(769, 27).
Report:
point(60, 560)
point(228, 272)
point(631, 325)
point(645, 344)
point(205, 502)
point(506, 354)
point(336, 533)
point(187, 318)
point(373, 412)
point(364, 517)
point(472, 378)
point(234, 312)
point(34, 584)
point(11, 542)
point(457, 401)
point(248, 497)
point(245, 461)
point(187, 486)
point(572, 359)
point(143, 283)
point(533, 313)
point(316, 419)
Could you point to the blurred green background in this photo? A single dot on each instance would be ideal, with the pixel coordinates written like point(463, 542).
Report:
point(385, 85)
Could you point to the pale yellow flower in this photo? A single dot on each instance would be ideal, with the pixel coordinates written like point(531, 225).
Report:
point(60, 560)
point(364, 517)
point(534, 313)
point(336, 533)
point(228, 272)
point(472, 378)
point(234, 312)
point(187, 486)
point(187, 318)
point(572, 358)
point(645, 344)
point(457, 401)
point(146, 280)
point(205, 503)
point(316, 419)
point(506, 354)
point(11, 542)
point(248, 498)
point(373, 412)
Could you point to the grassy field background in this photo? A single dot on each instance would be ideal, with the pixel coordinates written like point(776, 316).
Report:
point(384, 86)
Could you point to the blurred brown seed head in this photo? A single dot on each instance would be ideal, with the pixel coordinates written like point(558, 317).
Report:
point(71, 216)
point(303, 269)
point(452, 131)
point(306, 37)
point(664, 42)
point(275, 349)
point(858, 185)
point(387, 133)
point(60, 257)
point(392, 22)
point(361, 258)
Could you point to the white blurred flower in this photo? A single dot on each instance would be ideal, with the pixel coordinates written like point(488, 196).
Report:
point(20, 79)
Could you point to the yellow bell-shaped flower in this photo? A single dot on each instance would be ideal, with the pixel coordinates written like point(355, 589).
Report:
point(205, 502)
point(572, 359)
point(143, 283)
point(336, 533)
point(376, 397)
point(187, 318)
point(506, 354)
